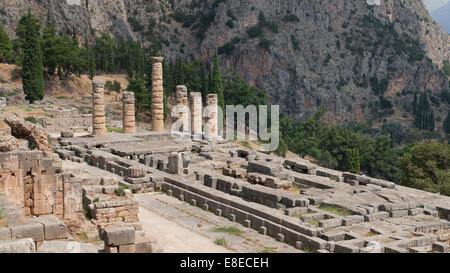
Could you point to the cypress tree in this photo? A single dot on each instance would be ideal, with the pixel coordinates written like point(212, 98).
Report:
point(5, 46)
point(353, 161)
point(217, 87)
point(447, 123)
point(205, 82)
point(415, 104)
point(424, 116)
point(28, 32)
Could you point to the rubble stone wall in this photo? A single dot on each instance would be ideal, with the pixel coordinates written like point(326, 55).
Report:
point(36, 185)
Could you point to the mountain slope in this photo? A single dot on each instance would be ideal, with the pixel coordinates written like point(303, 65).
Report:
point(442, 16)
point(308, 55)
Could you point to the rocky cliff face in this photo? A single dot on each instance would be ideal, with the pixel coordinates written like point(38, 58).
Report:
point(340, 55)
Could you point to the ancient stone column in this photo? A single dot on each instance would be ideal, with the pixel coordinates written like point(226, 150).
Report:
point(98, 109)
point(211, 115)
point(129, 123)
point(196, 115)
point(157, 95)
point(183, 108)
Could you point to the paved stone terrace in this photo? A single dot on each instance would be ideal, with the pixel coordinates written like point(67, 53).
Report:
point(296, 202)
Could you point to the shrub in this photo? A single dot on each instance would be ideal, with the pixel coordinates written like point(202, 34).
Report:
point(255, 32)
point(230, 24)
point(229, 230)
point(291, 18)
point(220, 241)
point(31, 119)
point(113, 86)
point(119, 191)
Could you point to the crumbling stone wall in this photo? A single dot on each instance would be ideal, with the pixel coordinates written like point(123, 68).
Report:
point(36, 185)
point(115, 211)
point(65, 120)
point(27, 130)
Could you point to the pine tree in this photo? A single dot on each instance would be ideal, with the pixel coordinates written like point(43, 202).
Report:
point(217, 87)
point(28, 31)
point(447, 123)
point(48, 45)
point(5, 46)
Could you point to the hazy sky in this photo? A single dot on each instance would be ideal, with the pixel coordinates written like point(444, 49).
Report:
point(435, 4)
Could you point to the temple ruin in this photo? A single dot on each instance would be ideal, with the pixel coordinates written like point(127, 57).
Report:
point(97, 184)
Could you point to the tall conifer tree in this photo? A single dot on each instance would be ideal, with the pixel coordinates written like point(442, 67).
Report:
point(28, 32)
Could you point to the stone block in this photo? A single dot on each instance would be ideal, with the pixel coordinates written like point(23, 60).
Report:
point(376, 216)
point(352, 219)
point(26, 245)
point(5, 234)
point(398, 213)
point(441, 247)
point(131, 248)
point(31, 230)
point(54, 228)
point(330, 223)
point(117, 236)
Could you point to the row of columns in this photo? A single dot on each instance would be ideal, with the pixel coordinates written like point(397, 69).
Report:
point(191, 123)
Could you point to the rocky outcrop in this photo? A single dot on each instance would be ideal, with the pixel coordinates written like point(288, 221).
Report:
point(21, 129)
point(308, 55)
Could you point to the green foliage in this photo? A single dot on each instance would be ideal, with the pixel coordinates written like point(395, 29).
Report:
point(28, 33)
point(5, 46)
point(446, 68)
point(254, 32)
point(113, 86)
point(217, 85)
point(335, 210)
point(135, 24)
point(338, 147)
point(447, 123)
point(116, 130)
point(427, 167)
point(353, 161)
point(61, 54)
point(379, 87)
point(291, 18)
point(221, 241)
point(229, 230)
point(137, 86)
point(119, 190)
point(238, 92)
point(87, 213)
point(282, 148)
point(31, 119)
point(424, 115)
point(229, 47)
